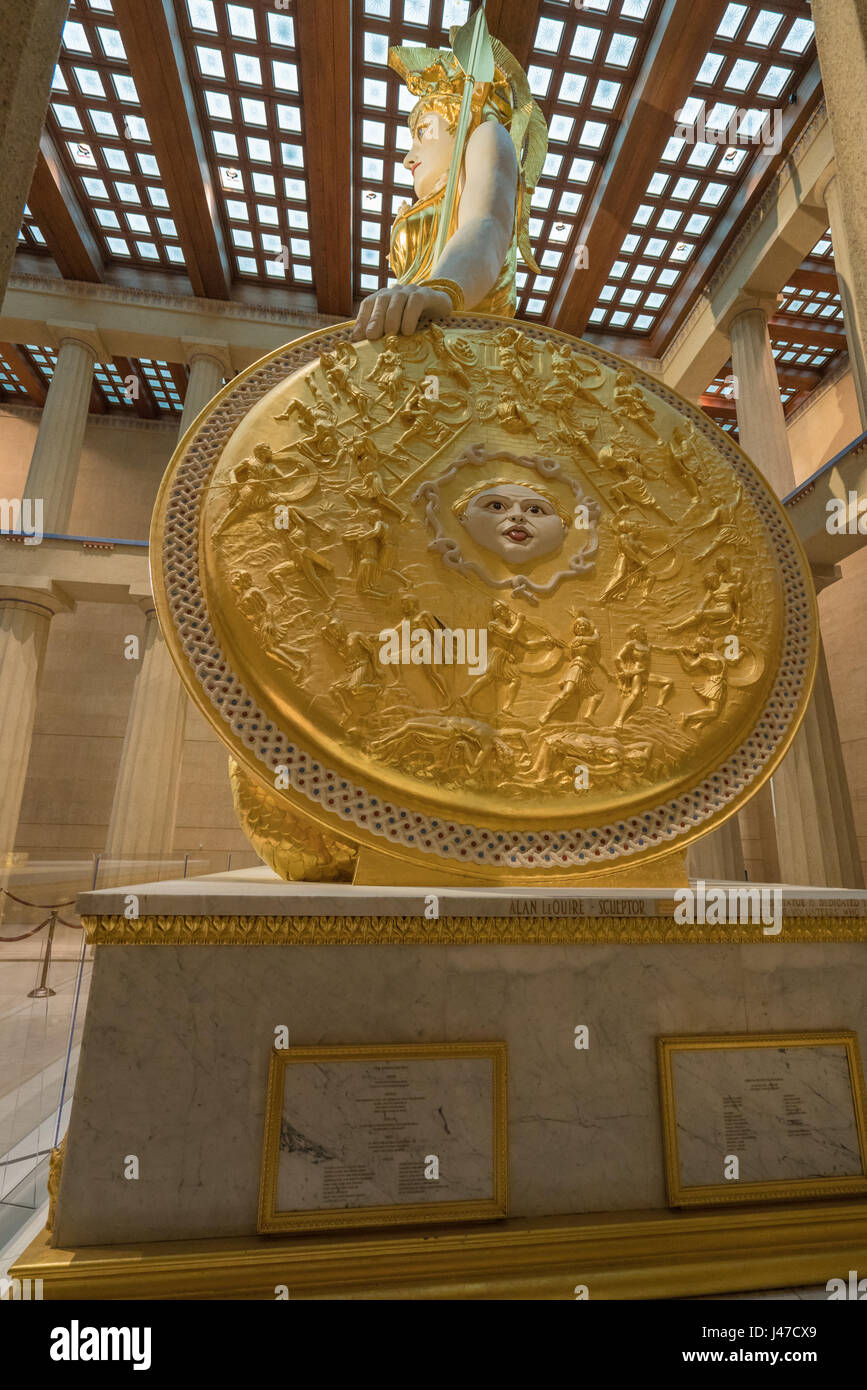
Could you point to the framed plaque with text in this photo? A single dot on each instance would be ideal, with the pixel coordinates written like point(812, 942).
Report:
point(384, 1135)
point(755, 1117)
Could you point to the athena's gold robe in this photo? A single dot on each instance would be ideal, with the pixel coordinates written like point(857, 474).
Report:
point(413, 238)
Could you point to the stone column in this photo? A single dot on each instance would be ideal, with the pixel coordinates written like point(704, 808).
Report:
point(761, 422)
point(25, 617)
point(841, 43)
point(815, 825)
point(31, 42)
point(57, 454)
point(142, 823)
point(853, 320)
point(718, 855)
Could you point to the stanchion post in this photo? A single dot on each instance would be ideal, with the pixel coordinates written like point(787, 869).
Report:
point(42, 991)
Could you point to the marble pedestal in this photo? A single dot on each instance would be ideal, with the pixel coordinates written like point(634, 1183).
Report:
point(177, 1038)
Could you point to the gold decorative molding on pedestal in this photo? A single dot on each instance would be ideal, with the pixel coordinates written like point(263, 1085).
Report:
point(617, 1255)
point(517, 930)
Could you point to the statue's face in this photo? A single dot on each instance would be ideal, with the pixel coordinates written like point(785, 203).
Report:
point(430, 154)
point(515, 523)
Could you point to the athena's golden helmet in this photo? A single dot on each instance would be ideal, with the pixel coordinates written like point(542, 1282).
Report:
point(436, 77)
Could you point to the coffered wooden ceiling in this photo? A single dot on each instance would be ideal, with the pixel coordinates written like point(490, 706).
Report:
point(255, 150)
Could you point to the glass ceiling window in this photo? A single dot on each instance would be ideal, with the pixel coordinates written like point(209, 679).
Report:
point(581, 69)
point(583, 64)
point(96, 121)
point(30, 237)
point(734, 110)
point(10, 385)
point(243, 66)
point(158, 375)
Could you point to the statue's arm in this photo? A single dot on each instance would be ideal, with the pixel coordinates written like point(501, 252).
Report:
point(473, 255)
point(486, 214)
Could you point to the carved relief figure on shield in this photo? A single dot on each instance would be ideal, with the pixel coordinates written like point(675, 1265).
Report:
point(478, 145)
point(578, 685)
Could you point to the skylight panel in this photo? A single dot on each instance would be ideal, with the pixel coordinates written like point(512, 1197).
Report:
point(66, 116)
point(774, 81)
point(202, 15)
point(253, 111)
point(635, 9)
point(592, 134)
point(375, 48)
point(560, 128)
point(218, 105)
point(374, 93)
point(713, 193)
point(125, 88)
point(416, 12)
point(210, 62)
point(281, 30)
point(709, 68)
point(289, 117)
point(765, 27)
point(75, 37)
point(620, 50)
point(89, 82)
point(572, 87)
point(584, 43)
point(455, 12)
point(548, 35)
point(684, 188)
point(249, 70)
point(111, 43)
point(701, 155)
point(606, 95)
point(731, 21)
point(242, 22)
point(539, 80)
point(799, 36)
point(580, 170)
point(742, 73)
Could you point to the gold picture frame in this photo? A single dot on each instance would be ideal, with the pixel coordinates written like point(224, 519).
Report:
point(273, 1219)
point(685, 1194)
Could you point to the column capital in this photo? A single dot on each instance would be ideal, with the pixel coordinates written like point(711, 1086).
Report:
point(824, 182)
point(41, 596)
point(766, 302)
point(214, 348)
point(142, 597)
point(823, 575)
point(87, 334)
